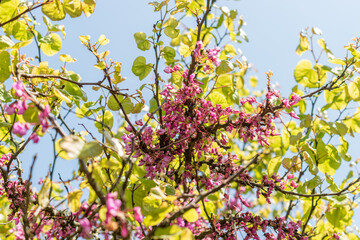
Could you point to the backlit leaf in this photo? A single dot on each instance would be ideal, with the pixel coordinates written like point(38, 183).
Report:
point(51, 44)
point(54, 10)
point(140, 68)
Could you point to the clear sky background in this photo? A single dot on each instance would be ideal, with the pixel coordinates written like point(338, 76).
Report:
point(273, 27)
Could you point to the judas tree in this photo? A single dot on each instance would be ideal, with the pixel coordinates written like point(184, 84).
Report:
point(197, 154)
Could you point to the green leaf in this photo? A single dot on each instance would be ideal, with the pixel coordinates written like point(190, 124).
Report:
point(274, 165)
point(5, 97)
point(43, 196)
point(153, 105)
point(127, 105)
point(170, 29)
point(308, 77)
point(171, 32)
point(54, 27)
point(21, 31)
point(107, 119)
point(336, 214)
point(51, 44)
point(150, 204)
point(74, 200)
point(173, 232)
point(103, 40)
point(73, 8)
point(22, 44)
point(330, 160)
point(54, 10)
point(66, 58)
point(314, 182)
point(90, 150)
point(337, 98)
point(61, 94)
point(31, 115)
point(191, 215)
point(169, 54)
point(337, 61)
point(113, 104)
point(354, 89)
point(230, 50)
point(224, 67)
point(84, 39)
point(140, 68)
point(184, 50)
point(88, 7)
point(303, 46)
point(71, 145)
point(253, 81)
point(141, 41)
point(8, 9)
point(5, 43)
point(170, 190)
point(218, 98)
point(5, 67)
point(157, 216)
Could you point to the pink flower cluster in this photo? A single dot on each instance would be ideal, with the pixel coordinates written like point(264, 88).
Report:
point(169, 69)
point(213, 55)
point(113, 206)
point(288, 103)
point(19, 107)
point(251, 224)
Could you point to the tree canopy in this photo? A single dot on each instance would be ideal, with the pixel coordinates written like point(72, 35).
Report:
point(197, 151)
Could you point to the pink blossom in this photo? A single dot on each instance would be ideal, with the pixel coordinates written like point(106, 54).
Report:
point(137, 214)
point(124, 230)
point(20, 128)
point(161, 131)
point(139, 122)
point(295, 99)
point(176, 67)
point(286, 103)
point(34, 137)
point(86, 228)
point(294, 184)
point(19, 89)
point(293, 114)
point(9, 109)
point(168, 69)
point(112, 204)
point(5, 157)
point(290, 176)
point(18, 106)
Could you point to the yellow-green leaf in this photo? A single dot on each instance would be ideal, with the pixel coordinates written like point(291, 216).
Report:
point(88, 7)
point(74, 200)
point(51, 44)
point(5, 43)
point(5, 67)
point(140, 68)
point(141, 41)
point(90, 150)
point(274, 165)
point(54, 10)
point(67, 58)
point(191, 215)
point(71, 145)
point(307, 76)
point(73, 8)
point(224, 67)
point(103, 40)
